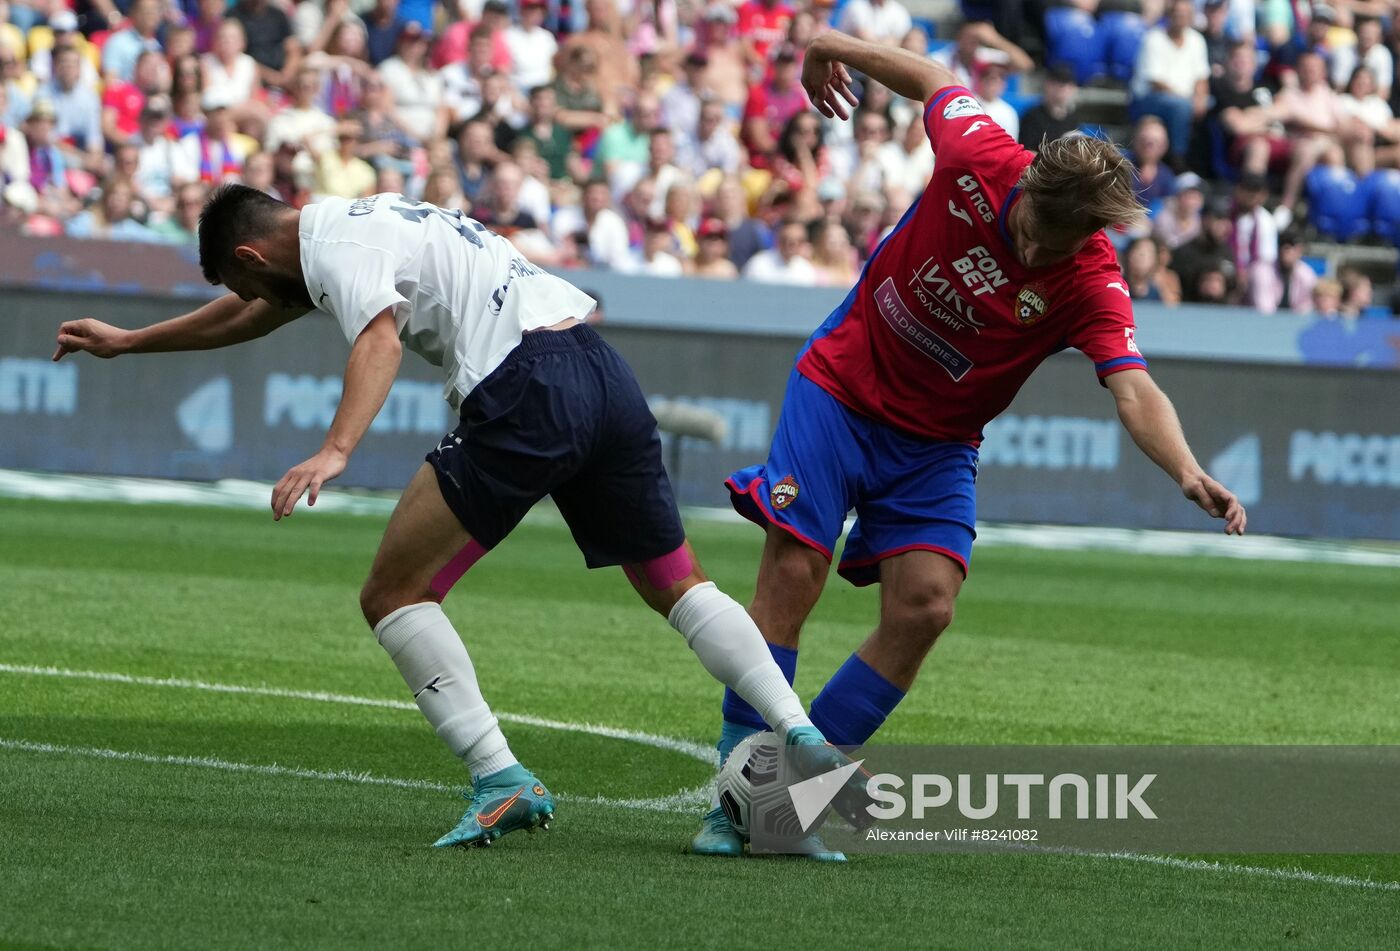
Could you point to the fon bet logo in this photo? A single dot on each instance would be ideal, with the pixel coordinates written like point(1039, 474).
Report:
point(784, 493)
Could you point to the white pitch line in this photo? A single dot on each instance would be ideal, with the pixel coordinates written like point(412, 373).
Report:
point(679, 803)
point(696, 751)
point(676, 802)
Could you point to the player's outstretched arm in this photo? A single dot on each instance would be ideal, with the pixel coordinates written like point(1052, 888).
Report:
point(1151, 420)
point(369, 373)
point(222, 322)
point(828, 84)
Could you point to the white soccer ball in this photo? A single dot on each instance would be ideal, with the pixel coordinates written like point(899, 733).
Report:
point(751, 794)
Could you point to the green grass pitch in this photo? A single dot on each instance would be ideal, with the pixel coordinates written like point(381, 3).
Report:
point(1048, 647)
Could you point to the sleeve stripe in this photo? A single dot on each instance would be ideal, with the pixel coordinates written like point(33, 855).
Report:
point(1120, 363)
point(942, 94)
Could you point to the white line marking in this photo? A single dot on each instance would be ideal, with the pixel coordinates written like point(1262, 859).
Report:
point(696, 751)
point(681, 802)
point(677, 802)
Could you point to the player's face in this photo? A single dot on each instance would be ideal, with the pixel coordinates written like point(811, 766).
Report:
point(264, 282)
point(1036, 249)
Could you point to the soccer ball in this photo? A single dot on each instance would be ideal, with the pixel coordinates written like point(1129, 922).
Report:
point(751, 792)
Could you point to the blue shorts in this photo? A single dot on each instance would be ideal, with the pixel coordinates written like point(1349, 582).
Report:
point(909, 494)
point(562, 416)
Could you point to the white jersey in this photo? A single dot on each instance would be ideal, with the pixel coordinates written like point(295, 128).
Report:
point(462, 295)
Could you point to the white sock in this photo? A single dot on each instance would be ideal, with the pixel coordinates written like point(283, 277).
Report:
point(434, 663)
point(728, 643)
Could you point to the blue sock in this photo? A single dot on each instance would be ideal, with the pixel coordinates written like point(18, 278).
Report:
point(742, 720)
point(853, 704)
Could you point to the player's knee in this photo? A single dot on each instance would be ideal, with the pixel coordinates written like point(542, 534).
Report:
point(378, 600)
point(919, 616)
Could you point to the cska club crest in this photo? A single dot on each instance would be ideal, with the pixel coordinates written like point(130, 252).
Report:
point(784, 493)
point(1031, 304)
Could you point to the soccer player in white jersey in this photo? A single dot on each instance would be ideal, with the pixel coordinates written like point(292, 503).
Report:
point(547, 408)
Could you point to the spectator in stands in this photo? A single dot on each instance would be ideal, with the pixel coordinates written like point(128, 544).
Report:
point(1179, 221)
point(747, 235)
point(19, 83)
point(387, 142)
point(762, 26)
point(165, 163)
point(680, 105)
point(1215, 34)
point(1327, 299)
point(1153, 180)
point(532, 47)
point(230, 74)
point(1172, 76)
point(476, 156)
point(1314, 38)
point(655, 258)
point(712, 258)
point(502, 206)
point(990, 85)
point(415, 87)
point(788, 261)
point(340, 172)
point(714, 145)
point(1370, 51)
point(1056, 114)
point(303, 124)
point(259, 172)
point(616, 73)
point(382, 28)
point(112, 217)
point(1210, 251)
point(344, 69)
point(624, 148)
point(78, 110)
point(14, 148)
point(122, 48)
point(581, 107)
point(64, 26)
point(801, 160)
point(220, 148)
point(876, 161)
point(1215, 285)
point(771, 104)
point(1146, 273)
point(833, 255)
point(183, 226)
point(554, 143)
point(1313, 118)
point(1369, 118)
point(1357, 292)
point(879, 21)
point(974, 38)
point(1254, 136)
point(1256, 244)
point(462, 79)
point(270, 41)
point(726, 75)
point(603, 232)
point(1296, 278)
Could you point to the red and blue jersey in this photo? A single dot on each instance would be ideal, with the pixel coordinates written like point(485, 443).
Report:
point(945, 324)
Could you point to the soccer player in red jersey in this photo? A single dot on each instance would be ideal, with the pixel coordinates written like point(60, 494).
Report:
point(1001, 262)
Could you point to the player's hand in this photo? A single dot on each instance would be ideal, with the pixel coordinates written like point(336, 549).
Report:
point(827, 84)
point(309, 476)
point(1216, 500)
point(92, 336)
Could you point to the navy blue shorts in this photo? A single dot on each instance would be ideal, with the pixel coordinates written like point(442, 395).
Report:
point(909, 494)
point(562, 416)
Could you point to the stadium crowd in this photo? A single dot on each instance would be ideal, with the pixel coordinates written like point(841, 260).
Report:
point(671, 137)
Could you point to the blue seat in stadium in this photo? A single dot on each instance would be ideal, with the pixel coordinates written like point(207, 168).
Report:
point(1219, 152)
point(1383, 189)
point(1337, 202)
point(1073, 38)
point(1121, 34)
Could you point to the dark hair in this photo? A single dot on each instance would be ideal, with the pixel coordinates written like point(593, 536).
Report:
point(233, 215)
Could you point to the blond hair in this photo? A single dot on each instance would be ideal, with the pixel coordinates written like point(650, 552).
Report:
point(1078, 184)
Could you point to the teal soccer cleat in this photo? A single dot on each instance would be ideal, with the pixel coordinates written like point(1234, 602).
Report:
point(502, 802)
point(813, 756)
point(717, 836)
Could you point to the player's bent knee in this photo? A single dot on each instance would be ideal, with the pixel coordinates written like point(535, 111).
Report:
point(919, 616)
point(665, 572)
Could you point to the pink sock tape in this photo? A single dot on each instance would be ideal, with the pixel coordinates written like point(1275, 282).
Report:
point(451, 573)
point(665, 571)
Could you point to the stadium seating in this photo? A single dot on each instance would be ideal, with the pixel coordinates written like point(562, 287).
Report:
point(1073, 38)
point(1337, 202)
point(1120, 36)
point(1383, 188)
